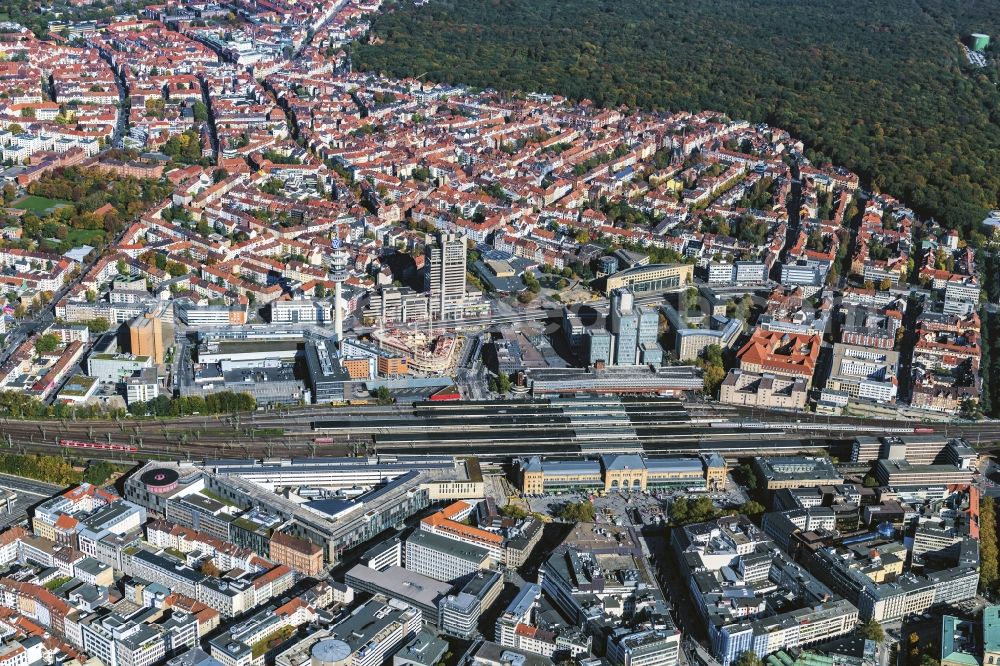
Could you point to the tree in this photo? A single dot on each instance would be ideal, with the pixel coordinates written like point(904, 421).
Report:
point(713, 368)
point(684, 510)
point(9, 193)
point(815, 241)
point(46, 344)
point(515, 511)
point(209, 568)
point(690, 301)
point(988, 574)
point(184, 148)
point(503, 383)
point(713, 378)
point(98, 325)
point(752, 509)
point(526, 46)
point(98, 472)
point(748, 658)
point(383, 396)
point(51, 469)
point(741, 309)
point(273, 187)
point(577, 512)
point(123, 268)
point(873, 631)
point(745, 476)
point(199, 111)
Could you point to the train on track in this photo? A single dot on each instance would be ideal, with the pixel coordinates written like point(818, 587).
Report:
point(798, 425)
point(77, 444)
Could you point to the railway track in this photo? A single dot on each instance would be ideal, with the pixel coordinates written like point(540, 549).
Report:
point(488, 428)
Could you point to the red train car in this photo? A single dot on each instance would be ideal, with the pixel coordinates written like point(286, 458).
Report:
point(76, 444)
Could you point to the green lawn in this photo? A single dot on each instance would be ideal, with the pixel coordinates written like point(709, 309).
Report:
point(56, 582)
point(39, 205)
point(84, 236)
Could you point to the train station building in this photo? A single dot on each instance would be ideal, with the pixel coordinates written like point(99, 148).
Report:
point(538, 475)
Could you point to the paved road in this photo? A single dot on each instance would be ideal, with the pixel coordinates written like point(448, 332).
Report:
point(30, 486)
point(28, 492)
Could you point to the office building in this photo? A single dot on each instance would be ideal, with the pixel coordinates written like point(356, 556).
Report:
point(691, 341)
point(445, 276)
point(385, 554)
point(654, 278)
point(648, 647)
point(367, 637)
point(325, 373)
point(444, 559)
point(870, 571)
point(194, 315)
point(915, 449)
point(509, 545)
point(300, 309)
point(864, 372)
point(491, 654)
point(796, 472)
point(143, 386)
point(146, 337)
point(114, 368)
point(118, 642)
point(961, 296)
point(767, 390)
point(504, 354)
point(788, 354)
point(959, 642)
point(809, 274)
point(587, 335)
point(299, 554)
point(420, 592)
point(795, 629)
point(424, 649)
point(634, 329)
point(459, 612)
point(518, 612)
point(991, 635)
point(781, 525)
point(902, 473)
point(398, 488)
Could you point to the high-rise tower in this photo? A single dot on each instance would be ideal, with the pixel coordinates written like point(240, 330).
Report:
point(445, 275)
point(338, 273)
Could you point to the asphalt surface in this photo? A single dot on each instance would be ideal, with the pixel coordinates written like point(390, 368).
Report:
point(28, 492)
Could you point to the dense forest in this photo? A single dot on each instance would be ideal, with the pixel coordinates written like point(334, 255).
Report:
point(880, 87)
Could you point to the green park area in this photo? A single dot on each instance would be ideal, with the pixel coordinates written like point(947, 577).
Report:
point(39, 205)
point(84, 236)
